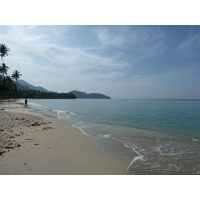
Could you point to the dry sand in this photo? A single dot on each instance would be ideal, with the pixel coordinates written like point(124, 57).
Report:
point(31, 143)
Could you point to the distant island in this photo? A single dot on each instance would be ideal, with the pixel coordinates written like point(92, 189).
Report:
point(83, 95)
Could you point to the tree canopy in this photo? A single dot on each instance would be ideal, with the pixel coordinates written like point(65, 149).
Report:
point(9, 89)
point(4, 69)
point(4, 50)
point(7, 86)
point(43, 95)
point(16, 74)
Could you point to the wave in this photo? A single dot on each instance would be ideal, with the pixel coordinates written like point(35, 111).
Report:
point(80, 130)
point(148, 151)
point(36, 106)
point(134, 160)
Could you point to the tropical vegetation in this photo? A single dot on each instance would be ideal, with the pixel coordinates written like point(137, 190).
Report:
point(7, 86)
point(4, 69)
point(16, 75)
point(43, 95)
point(9, 89)
point(4, 50)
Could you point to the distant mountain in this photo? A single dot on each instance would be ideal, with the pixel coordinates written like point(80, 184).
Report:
point(21, 84)
point(83, 95)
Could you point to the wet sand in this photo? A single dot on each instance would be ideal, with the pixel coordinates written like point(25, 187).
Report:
point(31, 143)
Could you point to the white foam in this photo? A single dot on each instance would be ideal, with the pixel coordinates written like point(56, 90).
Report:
point(158, 149)
point(140, 157)
point(37, 106)
point(64, 112)
point(134, 160)
point(74, 126)
point(195, 140)
point(126, 145)
point(72, 113)
point(136, 151)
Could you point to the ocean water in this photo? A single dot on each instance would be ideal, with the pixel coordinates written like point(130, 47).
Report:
point(154, 136)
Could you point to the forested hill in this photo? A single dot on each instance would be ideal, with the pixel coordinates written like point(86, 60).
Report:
point(83, 95)
point(43, 95)
point(21, 84)
point(23, 89)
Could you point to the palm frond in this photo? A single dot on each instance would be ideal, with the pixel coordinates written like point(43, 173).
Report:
point(4, 50)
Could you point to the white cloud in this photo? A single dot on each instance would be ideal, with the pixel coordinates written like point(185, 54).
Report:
point(191, 42)
point(191, 47)
point(136, 42)
point(108, 38)
point(41, 61)
point(113, 59)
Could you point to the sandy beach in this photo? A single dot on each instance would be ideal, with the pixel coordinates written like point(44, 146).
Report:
point(33, 144)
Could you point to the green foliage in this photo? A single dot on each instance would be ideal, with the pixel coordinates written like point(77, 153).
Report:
point(4, 69)
point(16, 74)
point(4, 50)
point(43, 95)
point(7, 87)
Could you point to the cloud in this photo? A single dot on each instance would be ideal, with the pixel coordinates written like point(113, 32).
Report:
point(148, 42)
point(191, 42)
point(32, 49)
point(191, 46)
point(132, 42)
point(132, 60)
point(109, 38)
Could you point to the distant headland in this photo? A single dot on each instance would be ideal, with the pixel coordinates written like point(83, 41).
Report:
point(83, 95)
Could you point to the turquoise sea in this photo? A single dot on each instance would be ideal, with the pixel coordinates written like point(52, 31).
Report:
point(154, 136)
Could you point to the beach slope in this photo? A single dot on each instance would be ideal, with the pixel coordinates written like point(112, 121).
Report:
point(31, 143)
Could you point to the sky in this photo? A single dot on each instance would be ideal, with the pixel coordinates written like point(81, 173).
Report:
point(120, 61)
point(133, 62)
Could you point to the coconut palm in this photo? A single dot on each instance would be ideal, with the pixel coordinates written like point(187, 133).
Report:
point(16, 74)
point(4, 50)
point(4, 69)
point(7, 87)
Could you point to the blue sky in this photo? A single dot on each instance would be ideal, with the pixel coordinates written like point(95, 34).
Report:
point(119, 61)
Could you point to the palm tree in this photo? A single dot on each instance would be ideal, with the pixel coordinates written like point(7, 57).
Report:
point(4, 50)
point(16, 74)
point(7, 86)
point(4, 68)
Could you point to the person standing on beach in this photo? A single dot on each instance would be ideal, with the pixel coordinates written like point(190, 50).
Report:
point(26, 101)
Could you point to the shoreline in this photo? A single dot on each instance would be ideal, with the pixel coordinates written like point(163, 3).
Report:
point(36, 144)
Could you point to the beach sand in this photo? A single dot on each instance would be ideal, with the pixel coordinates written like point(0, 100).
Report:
point(33, 144)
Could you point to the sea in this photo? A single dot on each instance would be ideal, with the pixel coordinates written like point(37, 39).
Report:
point(156, 137)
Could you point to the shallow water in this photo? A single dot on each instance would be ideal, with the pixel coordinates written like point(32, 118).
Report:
point(155, 136)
